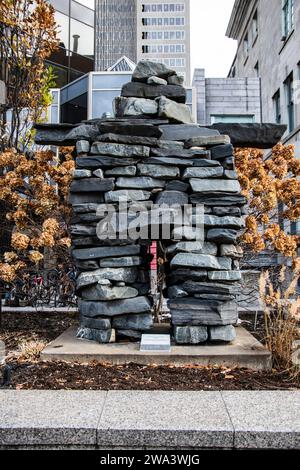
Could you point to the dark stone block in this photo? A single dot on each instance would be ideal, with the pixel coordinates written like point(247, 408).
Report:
point(95, 323)
point(190, 311)
point(132, 335)
point(194, 287)
point(183, 132)
point(127, 275)
point(203, 172)
point(120, 150)
point(139, 322)
point(86, 265)
point(198, 162)
point(222, 334)
point(121, 262)
point(207, 141)
point(85, 198)
point(158, 171)
point(106, 252)
point(176, 185)
point(88, 185)
point(95, 241)
point(146, 69)
point(190, 334)
point(143, 90)
point(64, 134)
point(172, 197)
point(262, 136)
point(219, 235)
point(170, 161)
point(115, 307)
point(222, 211)
point(179, 275)
point(180, 153)
point(129, 139)
point(101, 336)
point(175, 80)
point(139, 182)
point(221, 151)
point(107, 292)
point(216, 200)
point(98, 161)
point(130, 127)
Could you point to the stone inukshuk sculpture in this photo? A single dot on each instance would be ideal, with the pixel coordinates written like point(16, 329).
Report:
point(152, 152)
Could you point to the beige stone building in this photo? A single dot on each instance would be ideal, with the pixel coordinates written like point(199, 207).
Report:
point(268, 35)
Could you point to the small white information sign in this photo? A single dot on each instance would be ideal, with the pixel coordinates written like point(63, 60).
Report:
point(155, 343)
point(2, 93)
point(2, 352)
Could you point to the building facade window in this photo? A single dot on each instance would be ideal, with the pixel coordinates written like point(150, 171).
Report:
point(290, 102)
point(254, 26)
point(171, 62)
point(166, 35)
point(246, 45)
point(232, 118)
point(256, 69)
point(294, 228)
point(163, 7)
point(277, 107)
point(165, 49)
point(161, 21)
point(287, 17)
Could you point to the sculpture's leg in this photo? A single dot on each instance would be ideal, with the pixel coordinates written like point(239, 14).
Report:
point(204, 276)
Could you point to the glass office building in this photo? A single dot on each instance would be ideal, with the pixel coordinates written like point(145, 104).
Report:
point(75, 56)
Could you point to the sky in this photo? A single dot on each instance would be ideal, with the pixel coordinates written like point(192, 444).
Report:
point(210, 49)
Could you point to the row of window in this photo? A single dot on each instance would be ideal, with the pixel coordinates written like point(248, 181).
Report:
point(163, 49)
point(163, 21)
point(287, 17)
point(251, 35)
point(287, 25)
point(289, 103)
point(168, 35)
point(170, 62)
point(160, 7)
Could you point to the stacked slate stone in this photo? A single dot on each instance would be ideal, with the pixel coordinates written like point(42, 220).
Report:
point(152, 152)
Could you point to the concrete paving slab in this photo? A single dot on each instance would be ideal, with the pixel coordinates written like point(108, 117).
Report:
point(264, 419)
point(165, 419)
point(53, 417)
point(245, 351)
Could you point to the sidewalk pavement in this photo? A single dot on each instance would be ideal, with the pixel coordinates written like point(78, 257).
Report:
point(150, 419)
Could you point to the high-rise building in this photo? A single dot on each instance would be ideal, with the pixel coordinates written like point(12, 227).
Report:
point(75, 56)
point(115, 32)
point(268, 37)
point(144, 29)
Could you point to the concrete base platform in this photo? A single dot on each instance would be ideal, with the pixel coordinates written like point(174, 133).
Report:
point(245, 351)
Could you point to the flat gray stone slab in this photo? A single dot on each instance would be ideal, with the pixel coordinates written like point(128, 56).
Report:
point(245, 351)
point(265, 419)
point(164, 419)
point(49, 417)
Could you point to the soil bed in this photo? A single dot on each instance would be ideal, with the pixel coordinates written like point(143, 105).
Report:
point(28, 372)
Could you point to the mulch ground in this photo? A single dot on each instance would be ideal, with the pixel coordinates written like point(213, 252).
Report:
point(32, 373)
